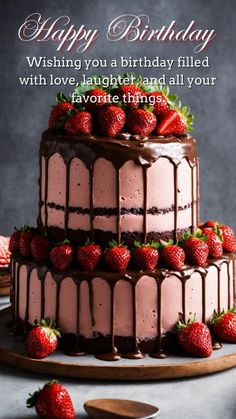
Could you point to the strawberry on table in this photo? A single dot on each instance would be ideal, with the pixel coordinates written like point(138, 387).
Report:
point(224, 326)
point(95, 99)
point(59, 112)
point(130, 95)
point(117, 256)
point(14, 241)
point(195, 247)
point(62, 255)
point(42, 340)
point(176, 122)
point(89, 256)
point(52, 401)
point(141, 121)
point(146, 255)
point(111, 120)
point(195, 338)
point(26, 237)
point(40, 248)
point(79, 123)
point(172, 255)
point(214, 242)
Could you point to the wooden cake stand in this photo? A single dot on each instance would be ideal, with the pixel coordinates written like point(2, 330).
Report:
point(13, 352)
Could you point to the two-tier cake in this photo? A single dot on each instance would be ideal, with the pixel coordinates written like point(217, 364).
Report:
point(128, 174)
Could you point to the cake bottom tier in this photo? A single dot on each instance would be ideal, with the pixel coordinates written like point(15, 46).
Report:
point(129, 312)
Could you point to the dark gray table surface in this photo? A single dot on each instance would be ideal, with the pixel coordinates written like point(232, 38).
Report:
point(208, 397)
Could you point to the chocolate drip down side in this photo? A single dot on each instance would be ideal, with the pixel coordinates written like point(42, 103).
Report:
point(112, 278)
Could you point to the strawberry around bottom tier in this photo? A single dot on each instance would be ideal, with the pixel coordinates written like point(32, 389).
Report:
point(131, 311)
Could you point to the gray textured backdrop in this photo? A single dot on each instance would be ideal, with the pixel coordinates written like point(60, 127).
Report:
point(24, 110)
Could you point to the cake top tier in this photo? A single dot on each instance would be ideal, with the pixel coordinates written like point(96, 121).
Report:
point(142, 150)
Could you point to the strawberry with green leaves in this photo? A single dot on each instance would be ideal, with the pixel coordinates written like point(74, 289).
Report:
point(224, 325)
point(95, 99)
point(172, 255)
point(176, 122)
point(52, 401)
point(79, 122)
point(26, 237)
point(161, 100)
point(42, 339)
point(195, 338)
point(225, 233)
point(117, 256)
point(89, 256)
point(146, 255)
point(195, 247)
point(62, 255)
point(214, 242)
point(111, 120)
point(141, 121)
point(130, 95)
point(40, 248)
point(59, 112)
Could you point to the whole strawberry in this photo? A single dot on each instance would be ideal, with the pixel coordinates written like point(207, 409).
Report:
point(195, 338)
point(95, 99)
point(52, 401)
point(26, 237)
point(141, 122)
point(224, 326)
point(229, 240)
point(159, 102)
point(195, 247)
point(62, 255)
point(117, 256)
point(211, 224)
point(40, 248)
point(14, 241)
point(59, 113)
point(130, 95)
point(111, 120)
point(42, 340)
point(214, 243)
point(175, 122)
point(79, 124)
point(146, 255)
point(89, 256)
point(172, 255)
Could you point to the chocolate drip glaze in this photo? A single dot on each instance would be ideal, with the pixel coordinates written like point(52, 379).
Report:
point(132, 277)
point(144, 152)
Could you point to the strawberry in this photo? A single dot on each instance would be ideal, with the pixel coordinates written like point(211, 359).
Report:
point(117, 257)
point(224, 326)
point(211, 224)
point(214, 243)
point(26, 236)
point(42, 340)
point(146, 255)
point(195, 338)
point(195, 247)
point(52, 401)
point(141, 121)
point(229, 240)
point(14, 241)
point(62, 255)
point(89, 256)
point(130, 95)
point(176, 122)
point(159, 102)
point(40, 248)
point(172, 255)
point(58, 112)
point(111, 120)
point(79, 123)
point(95, 100)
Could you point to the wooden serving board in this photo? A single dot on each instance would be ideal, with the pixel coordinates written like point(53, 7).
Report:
point(13, 352)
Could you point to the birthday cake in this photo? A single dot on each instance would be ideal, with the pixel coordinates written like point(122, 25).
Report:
point(119, 256)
